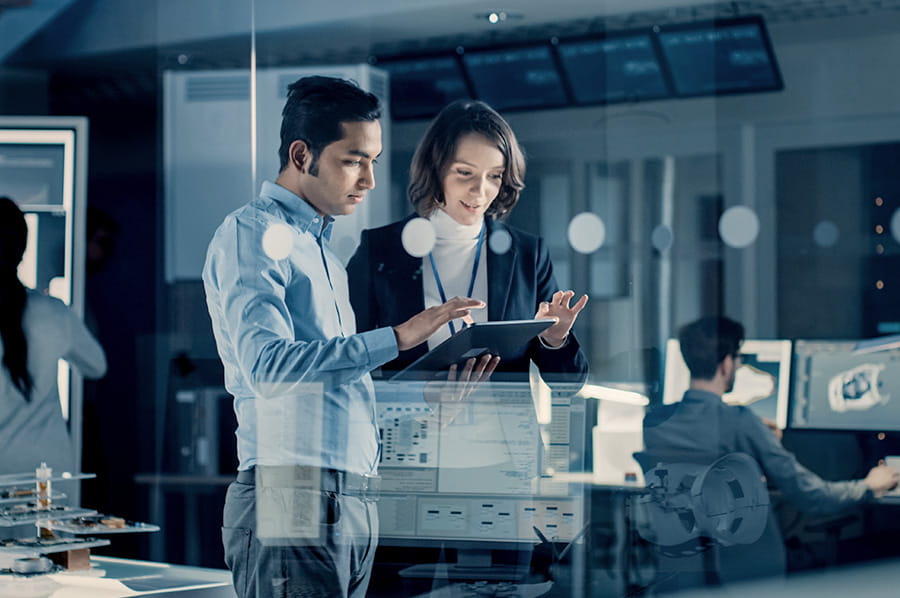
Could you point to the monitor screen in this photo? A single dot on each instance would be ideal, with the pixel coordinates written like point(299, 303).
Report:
point(484, 478)
point(837, 388)
point(728, 56)
point(422, 86)
point(762, 382)
point(513, 78)
point(620, 68)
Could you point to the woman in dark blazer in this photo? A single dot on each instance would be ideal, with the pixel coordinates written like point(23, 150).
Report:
point(465, 177)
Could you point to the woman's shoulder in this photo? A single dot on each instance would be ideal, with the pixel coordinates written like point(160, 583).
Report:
point(45, 313)
point(389, 229)
point(44, 304)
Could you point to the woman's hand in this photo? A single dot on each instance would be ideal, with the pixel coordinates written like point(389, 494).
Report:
point(447, 398)
point(558, 307)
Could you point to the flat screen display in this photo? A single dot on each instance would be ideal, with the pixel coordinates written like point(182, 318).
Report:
point(516, 78)
point(483, 475)
point(422, 86)
point(621, 68)
point(762, 382)
point(837, 388)
point(720, 57)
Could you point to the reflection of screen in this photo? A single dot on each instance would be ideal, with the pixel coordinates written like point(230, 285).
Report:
point(835, 388)
point(614, 69)
point(420, 87)
point(524, 77)
point(730, 56)
point(27, 270)
point(46, 264)
point(483, 480)
point(32, 173)
point(762, 383)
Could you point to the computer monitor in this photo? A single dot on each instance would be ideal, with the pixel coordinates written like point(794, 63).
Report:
point(482, 482)
point(838, 388)
point(762, 382)
point(719, 57)
point(615, 68)
point(422, 85)
point(516, 77)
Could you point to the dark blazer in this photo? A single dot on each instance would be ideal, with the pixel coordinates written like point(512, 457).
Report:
point(386, 290)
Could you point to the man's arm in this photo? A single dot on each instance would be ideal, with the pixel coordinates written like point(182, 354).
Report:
point(802, 487)
point(251, 311)
point(248, 306)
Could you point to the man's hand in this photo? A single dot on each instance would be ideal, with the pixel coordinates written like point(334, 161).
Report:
point(558, 307)
point(773, 427)
point(882, 478)
point(418, 328)
point(448, 397)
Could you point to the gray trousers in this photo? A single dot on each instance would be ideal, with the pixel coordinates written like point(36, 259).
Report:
point(336, 564)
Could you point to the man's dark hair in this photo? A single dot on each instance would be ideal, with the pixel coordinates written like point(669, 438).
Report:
point(706, 343)
point(314, 110)
point(13, 237)
point(438, 147)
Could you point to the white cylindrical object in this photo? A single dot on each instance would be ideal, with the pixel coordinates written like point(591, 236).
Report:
point(43, 489)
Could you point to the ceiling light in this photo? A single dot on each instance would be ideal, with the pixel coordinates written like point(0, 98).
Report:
point(495, 17)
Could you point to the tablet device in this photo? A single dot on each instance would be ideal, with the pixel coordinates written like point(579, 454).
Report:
point(507, 339)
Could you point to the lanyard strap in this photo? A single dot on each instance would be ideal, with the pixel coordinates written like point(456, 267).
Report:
point(437, 277)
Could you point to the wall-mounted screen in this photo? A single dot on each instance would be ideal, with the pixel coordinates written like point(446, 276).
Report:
point(421, 86)
point(515, 78)
point(619, 68)
point(719, 57)
point(762, 382)
point(837, 388)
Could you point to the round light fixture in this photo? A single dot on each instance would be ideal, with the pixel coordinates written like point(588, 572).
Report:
point(495, 17)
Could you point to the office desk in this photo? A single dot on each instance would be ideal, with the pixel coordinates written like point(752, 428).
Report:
point(117, 578)
point(197, 493)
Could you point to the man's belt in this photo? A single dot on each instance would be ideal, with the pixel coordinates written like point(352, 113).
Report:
point(364, 486)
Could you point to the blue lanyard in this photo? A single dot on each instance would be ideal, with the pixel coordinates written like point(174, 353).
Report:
point(437, 277)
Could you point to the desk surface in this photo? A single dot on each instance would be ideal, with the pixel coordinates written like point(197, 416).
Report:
point(117, 578)
point(183, 479)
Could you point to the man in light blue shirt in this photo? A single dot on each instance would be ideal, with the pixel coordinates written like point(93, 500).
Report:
point(300, 520)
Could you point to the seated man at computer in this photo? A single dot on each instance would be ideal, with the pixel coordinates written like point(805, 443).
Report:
point(702, 424)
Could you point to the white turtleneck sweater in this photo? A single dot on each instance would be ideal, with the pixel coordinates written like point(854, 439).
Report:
point(454, 256)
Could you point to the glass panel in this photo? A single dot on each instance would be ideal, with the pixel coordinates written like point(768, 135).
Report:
point(678, 163)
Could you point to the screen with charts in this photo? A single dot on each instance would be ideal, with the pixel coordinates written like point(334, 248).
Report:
point(836, 388)
point(516, 78)
point(762, 383)
point(421, 86)
point(483, 475)
point(621, 68)
point(724, 56)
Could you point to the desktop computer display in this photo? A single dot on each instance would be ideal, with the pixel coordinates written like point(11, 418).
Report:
point(762, 382)
point(837, 388)
point(484, 478)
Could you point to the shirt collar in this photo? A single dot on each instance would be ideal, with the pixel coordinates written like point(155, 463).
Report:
point(297, 211)
point(701, 395)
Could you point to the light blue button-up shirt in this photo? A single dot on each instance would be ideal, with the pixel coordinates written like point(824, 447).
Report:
point(286, 334)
